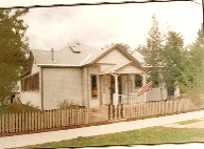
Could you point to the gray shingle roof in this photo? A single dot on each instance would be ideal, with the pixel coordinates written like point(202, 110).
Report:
point(75, 54)
point(138, 56)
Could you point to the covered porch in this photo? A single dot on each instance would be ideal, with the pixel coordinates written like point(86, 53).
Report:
point(117, 84)
point(122, 89)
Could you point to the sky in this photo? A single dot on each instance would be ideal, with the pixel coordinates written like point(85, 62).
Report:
point(98, 26)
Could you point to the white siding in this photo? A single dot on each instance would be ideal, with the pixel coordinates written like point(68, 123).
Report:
point(85, 88)
point(156, 94)
point(31, 97)
point(35, 69)
point(61, 84)
point(114, 57)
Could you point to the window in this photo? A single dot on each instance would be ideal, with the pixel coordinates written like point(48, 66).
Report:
point(138, 80)
point(94, 86)
point(30, 83)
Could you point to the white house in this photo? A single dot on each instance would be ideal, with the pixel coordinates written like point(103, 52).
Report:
point(86, 77)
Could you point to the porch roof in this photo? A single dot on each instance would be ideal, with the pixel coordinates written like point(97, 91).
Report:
point(114, 68)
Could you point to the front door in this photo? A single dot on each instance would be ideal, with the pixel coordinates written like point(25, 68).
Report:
point(112, 89)
point(108, 88)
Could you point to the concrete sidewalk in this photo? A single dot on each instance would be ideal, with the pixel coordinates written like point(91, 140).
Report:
point(55, 136)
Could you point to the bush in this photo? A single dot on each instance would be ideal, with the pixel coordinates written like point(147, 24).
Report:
point(65, 104)
point(17, 108)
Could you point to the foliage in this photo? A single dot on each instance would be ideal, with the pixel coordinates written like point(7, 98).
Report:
point(170, 62)
point(152, 51)
point(66, 104)
point(13, 50)
point(193, 78)
point(17, 108)
point(189, 122)
point(155, 135)
point(173, 59)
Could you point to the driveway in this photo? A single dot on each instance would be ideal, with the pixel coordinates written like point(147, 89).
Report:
point(55, 136)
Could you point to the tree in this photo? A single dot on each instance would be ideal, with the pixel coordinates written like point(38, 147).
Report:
point(193, 73)
point(173, 57)
point(152, 51)
point(13, 50)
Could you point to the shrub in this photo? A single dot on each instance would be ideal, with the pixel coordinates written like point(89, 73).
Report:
point(66, 104)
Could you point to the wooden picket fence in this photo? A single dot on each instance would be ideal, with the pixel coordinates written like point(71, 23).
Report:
point(42, 120)
point(98, 115)
point(81, 116)
point(156, 108)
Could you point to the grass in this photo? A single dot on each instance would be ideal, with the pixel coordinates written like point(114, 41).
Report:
point(15, 108)
point(189, 122)
point(155, 135)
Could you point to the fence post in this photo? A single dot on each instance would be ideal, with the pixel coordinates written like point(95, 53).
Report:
point(156, 108)
point(175, 106)
point(166, 106)
point(159, 107)
point(87, 115)
point(119, 111)
point(122, 111)
point(110, 112)
point(169, 107)
point(153, 108)
point(149, 109)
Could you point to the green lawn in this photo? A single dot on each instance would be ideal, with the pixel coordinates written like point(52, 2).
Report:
point(189, 122)
point(155, 135)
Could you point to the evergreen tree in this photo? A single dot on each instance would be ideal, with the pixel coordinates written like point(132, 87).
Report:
point(193, 74)
point(173, 57)
point(152, 51)
point(13, 50)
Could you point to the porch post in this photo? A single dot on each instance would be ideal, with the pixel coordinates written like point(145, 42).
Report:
point(115, 101)
point(115, 97)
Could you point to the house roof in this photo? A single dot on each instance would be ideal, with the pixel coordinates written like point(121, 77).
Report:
point(77, 55)
point(123, 51)
point(74, 55)
point(114, 68)
point(138, 56)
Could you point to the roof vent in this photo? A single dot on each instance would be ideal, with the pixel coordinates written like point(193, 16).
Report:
point(75, 49)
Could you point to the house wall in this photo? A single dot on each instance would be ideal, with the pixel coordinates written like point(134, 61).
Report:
point(35, 69)
point(85, 86)
point(92, 70)
point(32, 97)
point(156, 94)
point(61, 84)
point(114, 57)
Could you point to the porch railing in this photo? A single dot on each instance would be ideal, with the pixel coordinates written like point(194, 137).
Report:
point(131, 98)
point(155, 94)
